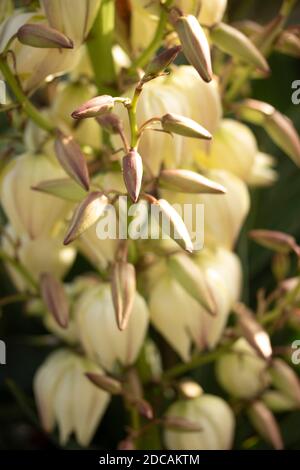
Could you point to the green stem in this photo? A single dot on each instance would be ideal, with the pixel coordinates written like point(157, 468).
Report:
point(196, 362)
point(132, 109)
point(11, 299)
point(100, 44)
point(148, 53)
point(27, 106)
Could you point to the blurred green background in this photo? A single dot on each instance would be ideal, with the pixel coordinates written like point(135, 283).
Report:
point(275, 208)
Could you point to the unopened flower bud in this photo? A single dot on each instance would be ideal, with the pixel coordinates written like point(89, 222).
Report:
point(94, 107)
point(235, 43)
point(105, 382)
point(161, 62)
point(55, 298)
point(123, 288)
point(184, 126)
point(253, 332)
point(41, 35)
point(289, 42)
point(277, 241)
point(132, 165)
point(85, 215)
point(187, 181)
point(265, 424)
point(278, 402)
point(72, 160)
point(110, 123)
point(60, 385)
point(280, 266)
point(194, 44)
point(203, 423)
point(241, 372)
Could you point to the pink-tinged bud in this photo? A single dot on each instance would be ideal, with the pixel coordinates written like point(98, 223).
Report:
point(105, 382)
point(133, 173)
point(63, 188)
point(94, 107)
point(191, 278)
point(123, 289)
point(279, 127)
point(187, 181)
point(265, 424)
point(172, 224)
point(234, 42)
point(110, 123)
point(194, 44)
point(253, 332)
point(86, 215)
point(55, 299)
point(144, 408)
point(289, 42)
point(161, 62)
point(277, 241)
point(71, 158)
point(177, 423)
point(184, 126)
point(42, 36)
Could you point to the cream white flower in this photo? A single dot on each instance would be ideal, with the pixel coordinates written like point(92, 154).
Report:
point(29, 211)
point(99, 334)
point(67, 398)
point(37, 255)
point(262, 172)
point(212, 414)
point(33, 65)
point(212, 11)
point(224, 214)
point(74, 18)
point(241, 372)
point(180, 318)
point(233, 148)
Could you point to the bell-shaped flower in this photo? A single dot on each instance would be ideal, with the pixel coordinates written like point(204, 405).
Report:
point(213, 416)
point(66, 397)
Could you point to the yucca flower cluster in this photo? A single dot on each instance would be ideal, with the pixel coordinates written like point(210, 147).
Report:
point(149, 101)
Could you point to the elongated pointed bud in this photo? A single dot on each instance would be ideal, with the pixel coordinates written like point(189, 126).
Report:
point(63, 188)
point(72, 160)
point(277, 241)
point(94, 107)
point(265, 424)
point(160, 63)
point(253, 332)
point(55, 299)
point(143, 407)
point(187, 181)
point(286, 380)
point(234, 42)
point(133, 173)
point(85, 215)
point(278, 402)
point(172, 224)
point(110, 123)
point(194, 43)
point(42, 36)
point(123, 289)
point(279, 127)
point(181, 125)
point(190, 277)
point(105, 382)
point(281, 264)
point(177, 423)
point(289, 42)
